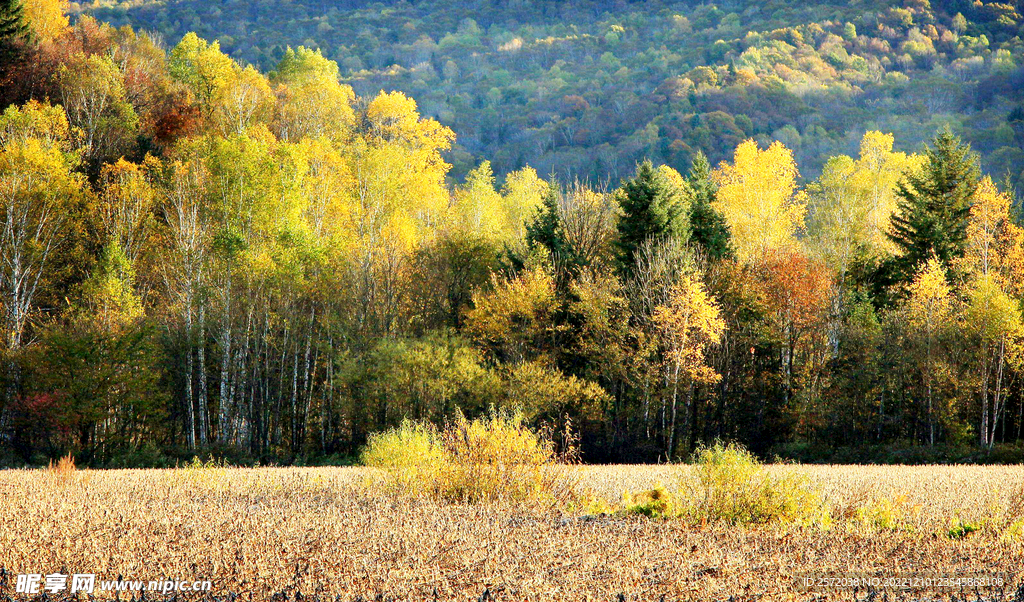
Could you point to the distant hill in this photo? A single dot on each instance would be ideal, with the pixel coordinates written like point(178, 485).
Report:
point(588, 88)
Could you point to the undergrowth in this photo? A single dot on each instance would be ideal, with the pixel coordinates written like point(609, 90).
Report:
point(494, 457)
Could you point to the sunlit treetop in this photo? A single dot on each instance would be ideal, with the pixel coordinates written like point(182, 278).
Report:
point(758, 196)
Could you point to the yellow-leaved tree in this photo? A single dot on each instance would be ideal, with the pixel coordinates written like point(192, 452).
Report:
point(689, 325)
point(521, 196)
point(38, 192)
point(995, 244)
point(853, 200)
point(202, 67)
point(930, 311)
point(995, 257)
point(757, 195)
point(398, 199)
point(93, 94)
point(126, 204)
point(478, 206)
point(398, 171)
point(245, 100)
point(312, 102)
point(514, 320)
point(47, 19)
point(994, 320)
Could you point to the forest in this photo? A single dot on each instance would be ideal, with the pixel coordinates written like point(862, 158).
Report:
point(212, 247)
point(588, 88)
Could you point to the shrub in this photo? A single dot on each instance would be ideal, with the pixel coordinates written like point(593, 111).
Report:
point(495, 457)
point(197, 473)
point(1014, 531)
point(411, 455)
point(884, 514)
point(959, 528)
point(653, 503)
point(734, 487)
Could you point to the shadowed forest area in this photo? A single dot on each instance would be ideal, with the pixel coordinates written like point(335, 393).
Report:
point(644, 225)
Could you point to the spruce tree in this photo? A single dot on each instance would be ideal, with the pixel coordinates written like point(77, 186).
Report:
point(708, 229)
point(546, 228)
point(13, 29)
point(934, 207)
point(651, 209)
point(12, 21)
point(546, 231)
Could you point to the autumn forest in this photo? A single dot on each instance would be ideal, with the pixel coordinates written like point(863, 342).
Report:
point(201, 254)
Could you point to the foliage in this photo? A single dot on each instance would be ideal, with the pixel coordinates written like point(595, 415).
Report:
point(708, 228)
point(959, 529)
point(492, 458)
point(653, 503)
point(197, 254)
point(934, 206)
point(47, 19)
point(757, 196)
point(734, 487)
point(663, 80)
point(12, 29)
point(884, 514)
point(853, 201)
point(653, 208)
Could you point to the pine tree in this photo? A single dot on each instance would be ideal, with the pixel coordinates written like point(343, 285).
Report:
point(546, 228)
point(545, 231)
point(651, 208)
point(934, 207)
point(708, 229)
point(13, 29)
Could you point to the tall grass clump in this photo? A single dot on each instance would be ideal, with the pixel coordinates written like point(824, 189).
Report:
point(491, 458)
point(734, 487)
point(62, 472)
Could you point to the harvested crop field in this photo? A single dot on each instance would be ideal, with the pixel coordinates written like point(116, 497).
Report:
point(330, 533)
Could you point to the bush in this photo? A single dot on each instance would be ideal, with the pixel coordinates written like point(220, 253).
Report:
point(734, 487)
point(960, 529)
point(411, 455)
point(197, 474)
point(495, 457)
point(884, 514)
point(653, 503)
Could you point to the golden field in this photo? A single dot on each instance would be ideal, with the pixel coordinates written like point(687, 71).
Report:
point(329, 532)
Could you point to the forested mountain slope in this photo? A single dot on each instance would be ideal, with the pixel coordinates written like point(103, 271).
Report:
point(589, 88)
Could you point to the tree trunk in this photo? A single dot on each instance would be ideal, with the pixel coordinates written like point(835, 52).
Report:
point(203, 397)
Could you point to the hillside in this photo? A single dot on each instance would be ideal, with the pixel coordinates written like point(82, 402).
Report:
point(589, 88)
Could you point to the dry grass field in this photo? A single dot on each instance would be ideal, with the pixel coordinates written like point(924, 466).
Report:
point(329, 533)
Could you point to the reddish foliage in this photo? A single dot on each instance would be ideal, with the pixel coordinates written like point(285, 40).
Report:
point(177, 117)
point(798, 288)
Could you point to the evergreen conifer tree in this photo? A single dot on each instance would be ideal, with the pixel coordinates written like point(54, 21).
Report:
point(13, 29)
point(934, 207)
point(708, 229)
point(651, 208)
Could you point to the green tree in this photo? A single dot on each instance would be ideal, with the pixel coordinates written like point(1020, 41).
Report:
point(12, 30)
point(103, 366)
point(546, 230)
point(652, 208)
point(934, 207)
point(708, 228)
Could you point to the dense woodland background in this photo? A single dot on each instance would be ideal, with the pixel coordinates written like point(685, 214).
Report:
point(588, 88)
point(646, 225)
